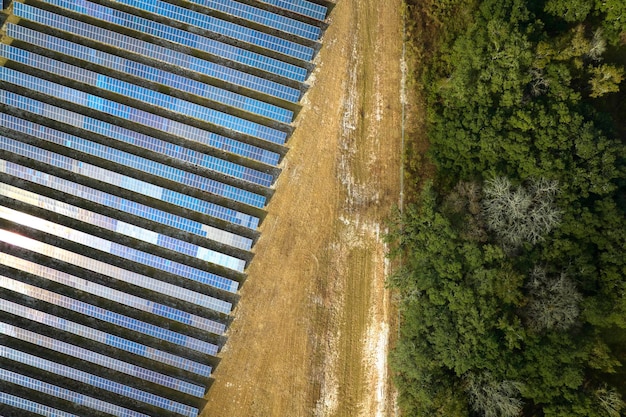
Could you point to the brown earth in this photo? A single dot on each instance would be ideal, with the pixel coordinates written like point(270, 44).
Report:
point(311, 332)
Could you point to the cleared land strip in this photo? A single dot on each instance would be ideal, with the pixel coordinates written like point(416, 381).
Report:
point(311, 332)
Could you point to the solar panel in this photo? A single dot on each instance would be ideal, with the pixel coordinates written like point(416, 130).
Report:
point(135, 138)
point(150, 73)
point(117, 249)
point(132, 161)
point(226, 51)
point(263, 17)
point(86, 378)
point(94, 265)
point(303, 7)
point(122, 181)
point(122, 204)
point(59, 392)
point(219, 26)
point(121, 227)
point(156, 355)
point(108, 316)
point(28, 405)
point(135, 92)
point(111, 294)
point(157, 52)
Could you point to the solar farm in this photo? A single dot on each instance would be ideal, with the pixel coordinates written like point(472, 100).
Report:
point(140, 141)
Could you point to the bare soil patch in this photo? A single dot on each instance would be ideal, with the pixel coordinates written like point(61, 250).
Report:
point(312, 329)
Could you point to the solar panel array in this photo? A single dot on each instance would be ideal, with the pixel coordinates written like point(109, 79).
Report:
point(139, 144)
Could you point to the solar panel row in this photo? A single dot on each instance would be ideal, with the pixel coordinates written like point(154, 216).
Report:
point(57, 184)
point(263, 17)
point(111, 294)
point(122, 181)
point(100, 359)
point(108, 316)
point(108, 339)
point(143, 282)
point(59, 392)
point(125, 252)
point(303, 7)
point(132, 161)
point(28, 405)
point(130, 91)
point(145, 49)
point(135, 138)
point(149, 73)
point(90, 379)
point(222, 27)
point(192, 40)
point(127, 113)
point(126, 229)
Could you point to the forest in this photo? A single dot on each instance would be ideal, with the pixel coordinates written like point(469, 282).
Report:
point(511, 282)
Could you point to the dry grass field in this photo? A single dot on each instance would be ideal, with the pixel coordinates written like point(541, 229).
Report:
point(311, 333)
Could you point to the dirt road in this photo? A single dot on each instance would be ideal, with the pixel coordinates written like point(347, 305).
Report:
point(311, 332)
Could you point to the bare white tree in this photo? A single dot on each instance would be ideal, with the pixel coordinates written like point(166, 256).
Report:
point(597, 46)
point(610, 401)
point(553, 301)
point(539, 84)
point(492, 398)
point(520, 214)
